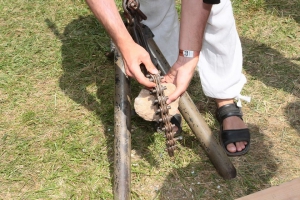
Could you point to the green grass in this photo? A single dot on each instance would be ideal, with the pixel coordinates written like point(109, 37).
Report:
point(56, 108)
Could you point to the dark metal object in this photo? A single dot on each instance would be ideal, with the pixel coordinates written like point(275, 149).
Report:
point(132, 9)
point(122, 140)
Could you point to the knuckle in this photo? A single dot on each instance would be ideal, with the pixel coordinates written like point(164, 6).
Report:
point(145, 55)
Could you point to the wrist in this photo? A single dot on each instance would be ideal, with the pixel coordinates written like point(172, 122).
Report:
point(125, 46)
point(185, 56)
point(187, 64)
point(188, 53)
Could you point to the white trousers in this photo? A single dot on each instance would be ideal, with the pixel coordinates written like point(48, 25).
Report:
point(220, 62)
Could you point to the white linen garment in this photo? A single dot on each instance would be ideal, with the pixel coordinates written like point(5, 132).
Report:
point(220, 62)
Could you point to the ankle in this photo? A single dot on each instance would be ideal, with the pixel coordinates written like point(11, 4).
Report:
point(222, 102)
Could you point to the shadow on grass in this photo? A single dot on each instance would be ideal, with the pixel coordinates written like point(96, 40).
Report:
point(270, 67)
point(86, 69)
point(285, 8)
point(293, 113)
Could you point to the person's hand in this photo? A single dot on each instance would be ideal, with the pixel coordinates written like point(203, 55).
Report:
point(180, 75)
point(134, 55)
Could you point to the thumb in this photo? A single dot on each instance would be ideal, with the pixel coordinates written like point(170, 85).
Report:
point(175, 95)
point(139, 76)
point(149, 66)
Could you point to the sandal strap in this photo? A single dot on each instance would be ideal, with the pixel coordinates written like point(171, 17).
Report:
point(232, 136)
point(228, 110)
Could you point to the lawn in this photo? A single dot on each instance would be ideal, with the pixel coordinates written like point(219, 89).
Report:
point(56, 108)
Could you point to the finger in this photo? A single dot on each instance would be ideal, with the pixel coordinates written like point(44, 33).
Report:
point(168, 78)
point(164, 79)
point(127, 71)
point(175, 95)
point(149, 66)
point(139, 76)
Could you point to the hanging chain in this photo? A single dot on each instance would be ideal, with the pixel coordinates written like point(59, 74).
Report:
point(163, 111)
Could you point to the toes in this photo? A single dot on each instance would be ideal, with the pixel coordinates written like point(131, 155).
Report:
point(239, 146)
point(231, 148)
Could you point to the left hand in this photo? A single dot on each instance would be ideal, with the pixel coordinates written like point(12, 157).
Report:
point(180, 75)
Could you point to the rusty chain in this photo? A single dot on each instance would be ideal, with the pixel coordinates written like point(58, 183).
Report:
point(163, 111)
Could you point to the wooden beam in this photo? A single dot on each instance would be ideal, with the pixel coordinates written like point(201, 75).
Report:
point(286, 191)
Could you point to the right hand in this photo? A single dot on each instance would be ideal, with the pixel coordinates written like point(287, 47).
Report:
point(180, 75)
point(134, 55)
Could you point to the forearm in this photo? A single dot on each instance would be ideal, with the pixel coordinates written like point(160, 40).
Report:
point(107, 13)
point(133, 55)
point(194, 15)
